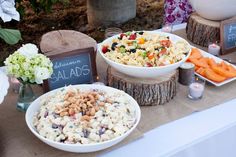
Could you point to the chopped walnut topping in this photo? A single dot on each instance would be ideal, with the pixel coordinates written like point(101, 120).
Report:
point(85, 102)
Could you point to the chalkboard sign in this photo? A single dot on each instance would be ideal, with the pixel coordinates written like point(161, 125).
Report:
point(70, 68)
point(228, 35)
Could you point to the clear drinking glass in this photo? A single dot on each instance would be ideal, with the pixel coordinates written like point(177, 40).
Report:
point(109, 32)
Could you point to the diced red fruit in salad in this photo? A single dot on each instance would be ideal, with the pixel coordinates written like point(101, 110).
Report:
point(149, 65)
point(104, 49)
point(165, 43)
point(122, 35)
point(132, 37)
point(162, 52)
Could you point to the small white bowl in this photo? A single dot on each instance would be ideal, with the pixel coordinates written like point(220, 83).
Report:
point(144, 72)
point(80, 148)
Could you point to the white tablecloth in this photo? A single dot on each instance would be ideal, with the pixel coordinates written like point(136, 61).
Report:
point(210, 133)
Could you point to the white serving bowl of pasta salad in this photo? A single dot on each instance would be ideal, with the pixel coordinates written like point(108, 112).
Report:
point(83, 118)
point(145, 54)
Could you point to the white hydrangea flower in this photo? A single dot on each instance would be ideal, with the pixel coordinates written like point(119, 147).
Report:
point(41, 74)
point(29, 65)
point(28, 50)
point(8, 11)
point(26, 65)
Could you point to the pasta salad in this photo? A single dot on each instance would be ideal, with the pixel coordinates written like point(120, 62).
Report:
point(145, 49)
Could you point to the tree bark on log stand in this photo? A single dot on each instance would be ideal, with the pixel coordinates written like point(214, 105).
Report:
point(202, 31)
point(147, 92)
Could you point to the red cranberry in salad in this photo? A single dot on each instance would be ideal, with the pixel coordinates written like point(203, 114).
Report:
point(149, 65)
point(132, 37)
point(105, 49)
point(122, 35)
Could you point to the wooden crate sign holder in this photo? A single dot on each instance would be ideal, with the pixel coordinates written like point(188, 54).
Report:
point(147, 92)
point(228, 35)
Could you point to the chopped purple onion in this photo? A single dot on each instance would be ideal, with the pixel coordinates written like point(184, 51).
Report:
point(86, 133)
point(95, 90)
point(45, 114)
point(55, 115)
point(54, 126)
point(60, 127)
point(101, 131)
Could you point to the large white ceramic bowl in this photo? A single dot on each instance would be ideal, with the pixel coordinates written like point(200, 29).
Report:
point(215, 9)
point(144, 72)
point(34, 108)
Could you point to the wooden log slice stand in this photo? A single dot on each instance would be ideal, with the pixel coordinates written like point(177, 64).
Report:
point(147, 92)
point(61, 41)
point(202, 31)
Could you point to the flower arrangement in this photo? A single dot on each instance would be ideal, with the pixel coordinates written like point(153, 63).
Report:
point(28, 65)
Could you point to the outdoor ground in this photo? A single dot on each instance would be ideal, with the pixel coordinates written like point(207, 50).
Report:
point(73, 16)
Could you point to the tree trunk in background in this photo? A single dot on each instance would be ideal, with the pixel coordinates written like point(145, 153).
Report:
point(110, 12)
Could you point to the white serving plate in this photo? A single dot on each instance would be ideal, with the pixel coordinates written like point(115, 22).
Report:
point(144, 72)
point(80, 148)
point(218, 60)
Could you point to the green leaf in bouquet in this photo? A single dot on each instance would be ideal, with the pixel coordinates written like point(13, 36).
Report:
point(10, 36)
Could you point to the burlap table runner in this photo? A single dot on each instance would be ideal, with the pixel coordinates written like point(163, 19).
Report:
point(17, 140)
